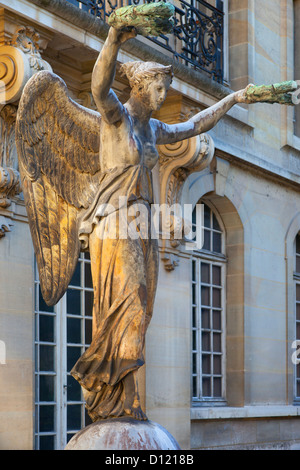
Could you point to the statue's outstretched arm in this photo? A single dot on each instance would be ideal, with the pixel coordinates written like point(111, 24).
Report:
point(201, 122)
point(103, 75)
point(281, 93)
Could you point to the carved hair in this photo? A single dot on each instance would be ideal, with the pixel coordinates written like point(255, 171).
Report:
point(138, 72)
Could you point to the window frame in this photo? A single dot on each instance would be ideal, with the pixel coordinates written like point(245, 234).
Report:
point(61, 434)
point(213, 259)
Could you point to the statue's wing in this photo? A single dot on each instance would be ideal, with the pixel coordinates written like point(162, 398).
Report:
point(58, 148)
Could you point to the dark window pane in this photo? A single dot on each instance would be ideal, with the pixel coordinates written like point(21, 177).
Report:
point(88, 331)
point(47, 443)
point(194, 340)
point(216, 320)
point(217, 342)
point(205, 318)
point(217, 387)
point(46, 330)
point(47, 388)
point(46, 358)
point(205, 341)
point(205, 295)
point(216, 272)
point(298, 292)
point(206, 390)
point(206, 244)
point(194, 299)
point(194, 317)
point(298, 370)
point(298, 244)
point(195, 393)
point(217, 242)
point(70, 434)
point(73, 354)
point(86, 255)
point(298, 330)
point(73, 302)
point(205, 277)
point(216, 297)
point(194, 271)
point(298, 311)
point(73, 417)
point(73, 330)
point(206, 216)
point(89, 299)
point(73, 389)
point(194, 363)
point(216, 225)
point(206, 364)
point(217, 364)
point(46, 422)
point(75, 281)
point(87, 275)
point(43, 307)
point(298, 388)
point(297, 264)
point(194, 216)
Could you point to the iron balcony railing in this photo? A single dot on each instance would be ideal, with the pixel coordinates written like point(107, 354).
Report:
point(198, 33)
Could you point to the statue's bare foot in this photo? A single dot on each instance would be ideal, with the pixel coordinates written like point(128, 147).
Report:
point(132, 405)
point(137, 412)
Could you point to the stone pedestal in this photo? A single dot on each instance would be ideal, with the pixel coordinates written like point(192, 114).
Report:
point(123, 434)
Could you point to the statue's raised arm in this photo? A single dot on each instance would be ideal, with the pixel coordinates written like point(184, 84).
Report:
point(103, 75)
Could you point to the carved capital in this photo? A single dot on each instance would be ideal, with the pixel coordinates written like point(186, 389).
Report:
point(19, 60)
point(177, 162)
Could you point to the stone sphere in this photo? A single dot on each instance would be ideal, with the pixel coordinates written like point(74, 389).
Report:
point(123, 434)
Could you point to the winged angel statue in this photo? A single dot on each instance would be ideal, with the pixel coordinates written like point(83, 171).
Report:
point(73, 162)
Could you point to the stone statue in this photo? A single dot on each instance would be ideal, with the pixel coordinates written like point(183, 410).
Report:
point(66, 183)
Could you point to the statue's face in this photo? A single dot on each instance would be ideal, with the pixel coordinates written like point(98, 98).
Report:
point(154, 90)
point(157, 91)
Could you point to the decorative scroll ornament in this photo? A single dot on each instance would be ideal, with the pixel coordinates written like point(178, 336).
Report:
point(18, 62)
point(177, 162)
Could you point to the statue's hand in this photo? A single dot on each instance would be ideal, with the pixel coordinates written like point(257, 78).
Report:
point(241, 95)
point(122, 35)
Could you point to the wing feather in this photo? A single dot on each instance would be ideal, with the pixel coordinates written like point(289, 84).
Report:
point(58, 148)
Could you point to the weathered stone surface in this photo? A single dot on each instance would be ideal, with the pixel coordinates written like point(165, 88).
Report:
point(123, 434)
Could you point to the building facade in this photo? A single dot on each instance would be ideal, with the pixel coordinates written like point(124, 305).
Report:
point(221, 351)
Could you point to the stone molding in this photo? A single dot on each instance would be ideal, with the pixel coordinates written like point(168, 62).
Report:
point(177, 161)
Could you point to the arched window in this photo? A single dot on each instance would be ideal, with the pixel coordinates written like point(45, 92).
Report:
point(62, 333)
point(297, 315)
point(208, 313)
